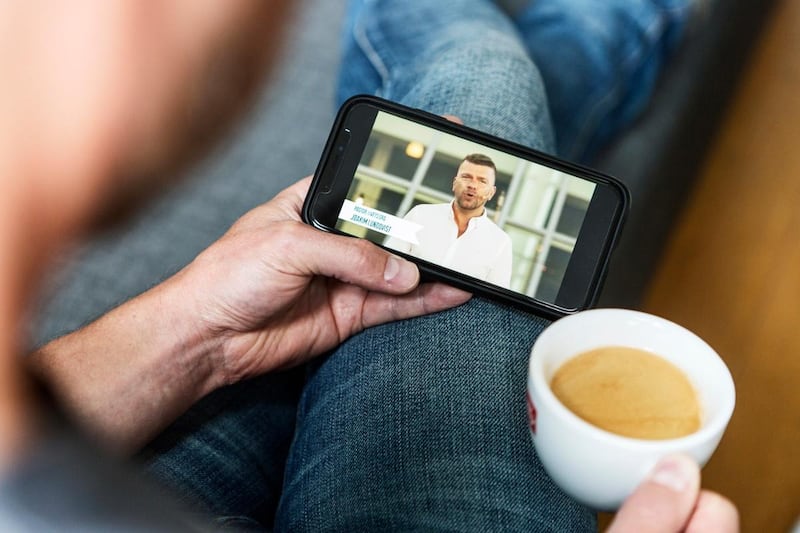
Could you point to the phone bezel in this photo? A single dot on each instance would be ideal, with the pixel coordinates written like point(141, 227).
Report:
point(588, 262)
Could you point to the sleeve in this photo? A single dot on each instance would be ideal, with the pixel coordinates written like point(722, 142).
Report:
point(65, 483)
point(500, 272)
point(401, 245)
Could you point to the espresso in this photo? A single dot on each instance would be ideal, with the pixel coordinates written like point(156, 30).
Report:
point(629, 392)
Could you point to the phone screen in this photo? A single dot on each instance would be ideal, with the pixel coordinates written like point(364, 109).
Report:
point(512, 220)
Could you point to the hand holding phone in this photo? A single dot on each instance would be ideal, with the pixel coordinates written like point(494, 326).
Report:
point(483, 214)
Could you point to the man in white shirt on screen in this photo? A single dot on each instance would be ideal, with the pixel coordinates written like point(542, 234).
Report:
point(460, 235)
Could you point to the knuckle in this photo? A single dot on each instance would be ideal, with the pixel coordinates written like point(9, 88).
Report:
point(363, 255)
point(288, 236)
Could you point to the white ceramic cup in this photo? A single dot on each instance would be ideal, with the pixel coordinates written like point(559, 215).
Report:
point(599, 468)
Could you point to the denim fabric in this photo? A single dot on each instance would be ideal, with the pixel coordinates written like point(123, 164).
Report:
point(421, 426)
point(458, 57)
point(418, 425)
point(589, 65)
point(226, 455)
point(600, 62)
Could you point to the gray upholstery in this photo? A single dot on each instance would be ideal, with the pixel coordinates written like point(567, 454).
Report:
point(283, 138)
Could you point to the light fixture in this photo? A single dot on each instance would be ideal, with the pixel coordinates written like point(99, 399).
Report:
point(415, 149)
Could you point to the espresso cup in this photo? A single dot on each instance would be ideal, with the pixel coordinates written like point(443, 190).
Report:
point(599, 468)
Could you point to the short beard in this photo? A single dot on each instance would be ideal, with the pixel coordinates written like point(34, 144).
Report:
point(478, 204)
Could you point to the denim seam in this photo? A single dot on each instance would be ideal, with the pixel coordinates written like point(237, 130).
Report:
point(361, 38)
point(657, 26)
point(650, 31)
point(605, 103)
point(594, 117)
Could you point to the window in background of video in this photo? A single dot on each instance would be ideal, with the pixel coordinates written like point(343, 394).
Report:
point(405, 164)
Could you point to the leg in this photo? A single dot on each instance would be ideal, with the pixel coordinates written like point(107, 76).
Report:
point(459, 57)
point(225, 456)
point(600, 62)
point(421, 425)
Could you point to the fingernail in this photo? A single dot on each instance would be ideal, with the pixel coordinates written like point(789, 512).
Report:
point(398, 271)
point(454, 294)
point(674, 472)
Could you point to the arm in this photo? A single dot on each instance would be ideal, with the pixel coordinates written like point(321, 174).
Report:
point(127, 375)
point(271, 293)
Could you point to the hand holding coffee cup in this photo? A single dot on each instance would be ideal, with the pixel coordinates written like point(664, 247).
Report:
point(612, 391)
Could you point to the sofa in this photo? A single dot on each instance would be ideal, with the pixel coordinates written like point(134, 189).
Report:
point(660, 156)
point(281, 141)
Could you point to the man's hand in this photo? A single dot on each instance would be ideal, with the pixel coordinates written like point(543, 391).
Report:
point(276, 292)
point(670, 501)
point(271, 293)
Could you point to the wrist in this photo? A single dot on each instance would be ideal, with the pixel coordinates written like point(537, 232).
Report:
point(183, 339)
point(132, 372)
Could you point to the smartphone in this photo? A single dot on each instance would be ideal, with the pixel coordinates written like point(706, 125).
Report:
point(489, 216)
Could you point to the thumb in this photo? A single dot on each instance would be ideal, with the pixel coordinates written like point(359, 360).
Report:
point(664, 502)
point(357, 261)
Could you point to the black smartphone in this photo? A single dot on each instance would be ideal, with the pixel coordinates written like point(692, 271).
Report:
point(481, 213)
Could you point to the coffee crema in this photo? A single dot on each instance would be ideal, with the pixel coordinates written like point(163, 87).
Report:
point(630, 392)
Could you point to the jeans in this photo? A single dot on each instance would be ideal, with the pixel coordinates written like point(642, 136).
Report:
point(458, 57)
point(421, 424)
point(418, 425)
point(562, 76)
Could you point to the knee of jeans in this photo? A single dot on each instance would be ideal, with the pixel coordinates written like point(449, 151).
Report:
point(491, 85)
point(442, 357)
point(357, 73)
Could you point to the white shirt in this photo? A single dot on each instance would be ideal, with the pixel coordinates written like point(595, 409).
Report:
point(483, 251)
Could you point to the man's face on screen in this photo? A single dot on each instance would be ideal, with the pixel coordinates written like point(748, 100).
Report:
point(473, 186)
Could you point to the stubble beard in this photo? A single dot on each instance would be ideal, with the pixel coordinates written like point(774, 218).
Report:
point(468, 204)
